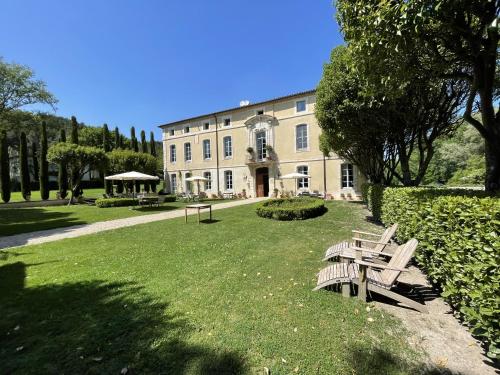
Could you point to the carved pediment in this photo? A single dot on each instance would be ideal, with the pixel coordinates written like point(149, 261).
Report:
point(261, 121)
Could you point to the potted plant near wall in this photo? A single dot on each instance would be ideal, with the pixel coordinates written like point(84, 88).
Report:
point(251, 153)
point(269, 152)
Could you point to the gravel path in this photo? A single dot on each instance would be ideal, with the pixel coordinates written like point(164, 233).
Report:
point(50, 235)
point(448, 344)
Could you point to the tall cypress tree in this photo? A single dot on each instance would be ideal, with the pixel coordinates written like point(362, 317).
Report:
point(24, 167)
point(44, 164)
point(134, 145)
point(117, 138)
point(62, 176)
point(74, 130)
point(74, 140)
point(152, 151)
point(108, 185)
point(34, 158)
point(144, 149)
point(4, 168)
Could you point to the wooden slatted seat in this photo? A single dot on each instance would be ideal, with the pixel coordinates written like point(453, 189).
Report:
point(346, 249)
point(374, 277)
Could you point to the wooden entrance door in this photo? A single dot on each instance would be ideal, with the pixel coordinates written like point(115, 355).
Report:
point(262, 182)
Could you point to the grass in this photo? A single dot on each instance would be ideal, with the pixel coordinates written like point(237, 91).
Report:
point(230, 297)
point(24, 220)
point(35, 195)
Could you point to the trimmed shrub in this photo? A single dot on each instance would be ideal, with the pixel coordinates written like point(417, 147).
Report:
point(169, 198)
point(365, 187)
point(459, 240)
point(115, 202)
point(372, 196)
point(291, 208)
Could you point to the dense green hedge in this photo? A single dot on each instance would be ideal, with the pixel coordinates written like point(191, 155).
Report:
point(372, 196)
point(169, 198)
point(291, 208)
point(115, 202)
point(459, 249)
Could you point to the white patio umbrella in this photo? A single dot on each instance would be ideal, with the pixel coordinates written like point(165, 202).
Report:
point(295, 176)
point(197, 179)
point(132, 176)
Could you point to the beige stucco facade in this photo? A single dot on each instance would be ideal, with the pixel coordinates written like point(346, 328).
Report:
point(218, 144)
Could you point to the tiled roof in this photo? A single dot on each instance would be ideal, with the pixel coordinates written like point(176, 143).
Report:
point(239, 107)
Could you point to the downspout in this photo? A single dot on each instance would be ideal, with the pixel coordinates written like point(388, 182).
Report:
point(217, 153)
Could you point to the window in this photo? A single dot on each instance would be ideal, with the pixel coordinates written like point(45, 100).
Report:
point(227, 122)
point(187, 151)
point(260, 112)
point(301, 137)
point(173, 183)
point(303, 183)
point(189, 184)
point(173, 154)
point(228, 147)
point(207, 152)
point(208, 182)
point(206, 125)
point(300, 106)
point(172, 132)
point(186, 129)
point(347, 176)
point(228, 180)
point(260, 142)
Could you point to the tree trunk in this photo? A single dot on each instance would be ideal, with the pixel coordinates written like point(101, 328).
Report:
point(492, 156)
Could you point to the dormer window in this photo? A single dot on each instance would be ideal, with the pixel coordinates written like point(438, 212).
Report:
point(206, 125)
point(186, 129)
point(227, 122)
point(171, 132)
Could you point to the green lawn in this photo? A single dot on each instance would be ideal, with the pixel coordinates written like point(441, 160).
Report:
point(23, 220)
point(35, 195)
point(229, 297)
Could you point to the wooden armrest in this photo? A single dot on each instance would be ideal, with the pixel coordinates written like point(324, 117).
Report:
point(369, 241)
point(362, 249)
point(381, 266)
point(367, 233)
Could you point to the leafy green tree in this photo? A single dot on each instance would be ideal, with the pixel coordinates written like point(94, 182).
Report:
point(62, 176)
point(127, 160)
point(373, 132)
point(24, 167)
point(44, 165)
point(106, 141)
point(399, 41)
point(19, 88)
point(34, 158)
point(79, 159)
point(91, 136)
point(4, 168)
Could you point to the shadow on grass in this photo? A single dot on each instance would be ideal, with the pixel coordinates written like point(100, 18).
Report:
point(380, 361)
point(161, 208)
point(15, 220)
point(98, 327)
point(208, 221)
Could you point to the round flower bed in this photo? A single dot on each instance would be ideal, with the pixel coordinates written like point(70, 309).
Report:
point(291, 208)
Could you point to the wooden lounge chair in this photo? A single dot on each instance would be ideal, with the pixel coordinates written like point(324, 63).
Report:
point(346, 249)
point(374, 277)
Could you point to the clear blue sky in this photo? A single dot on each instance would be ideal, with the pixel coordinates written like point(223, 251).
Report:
point(145, 63)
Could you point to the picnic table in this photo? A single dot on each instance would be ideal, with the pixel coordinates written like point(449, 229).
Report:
point(198, 207)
